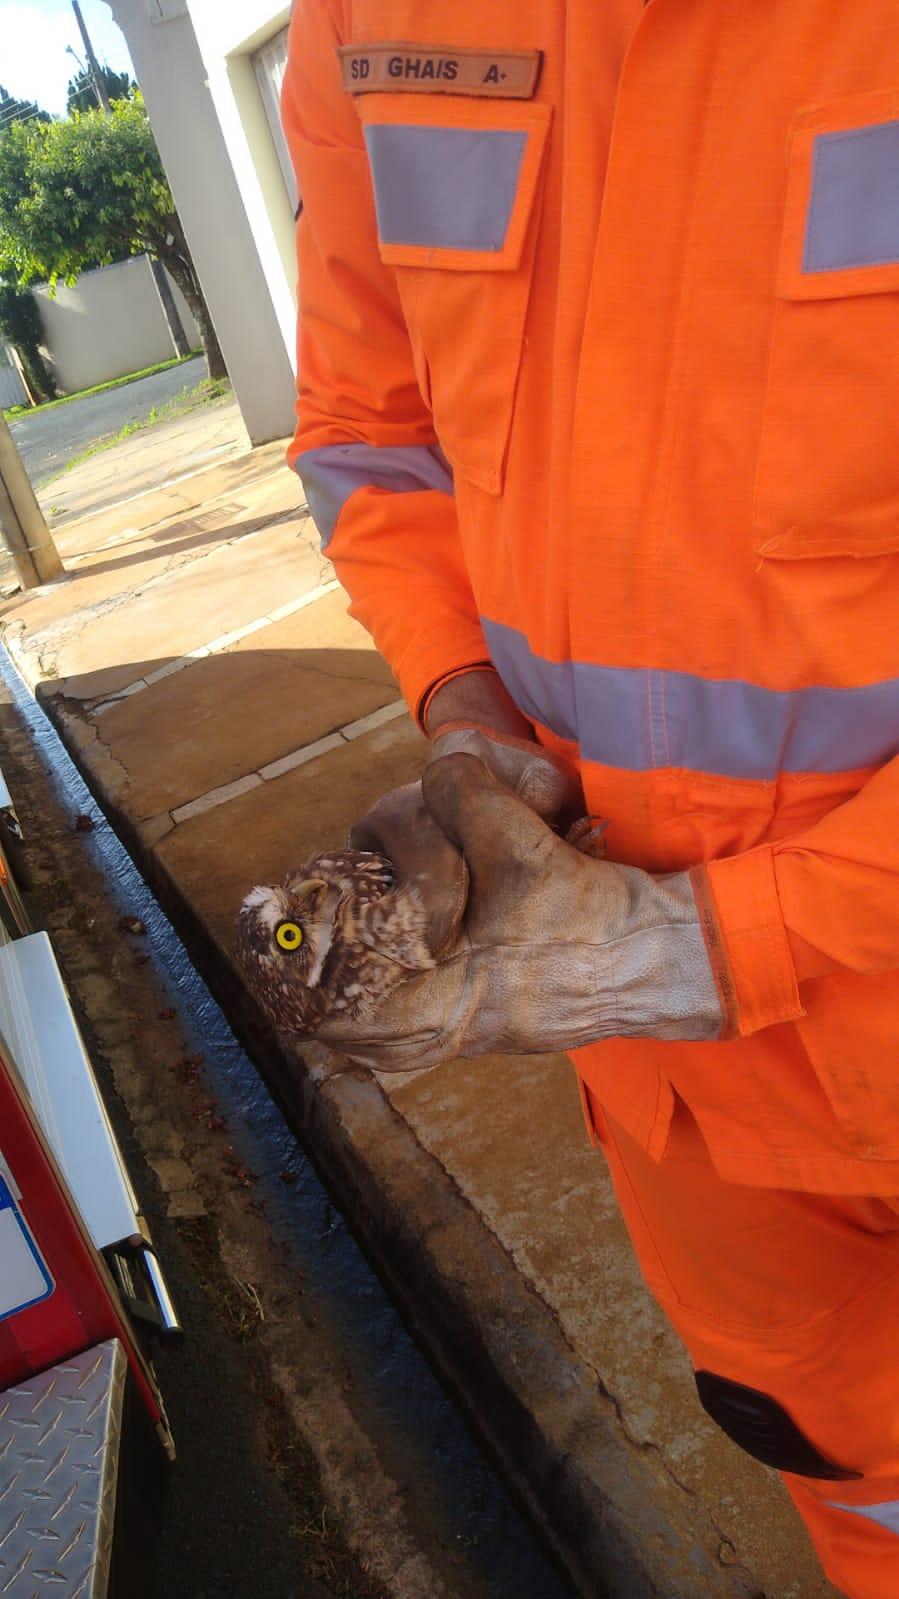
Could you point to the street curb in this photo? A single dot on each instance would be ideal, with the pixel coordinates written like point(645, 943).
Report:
point(618, 1522)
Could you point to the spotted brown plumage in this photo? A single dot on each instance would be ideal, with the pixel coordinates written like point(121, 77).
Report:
point(349, 934)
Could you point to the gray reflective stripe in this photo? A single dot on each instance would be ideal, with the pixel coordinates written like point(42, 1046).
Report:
point(886, 1515)
point(639, 719)
point(334, 472)
point(445, 188)
point(853, 217)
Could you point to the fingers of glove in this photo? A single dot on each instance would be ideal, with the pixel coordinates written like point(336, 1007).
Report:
point(491, 826)
point(527, 884)
point(401, 827)
point(539, 778)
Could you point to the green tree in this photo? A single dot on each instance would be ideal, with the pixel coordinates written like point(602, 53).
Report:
point(13, 110)
point(81, 94)
point(86, 192)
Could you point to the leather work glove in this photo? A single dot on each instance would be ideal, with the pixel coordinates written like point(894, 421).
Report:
point(474, 714)
point(554, 950)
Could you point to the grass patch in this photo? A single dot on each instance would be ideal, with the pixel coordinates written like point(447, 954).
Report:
point(205, 393)
point(16, 411)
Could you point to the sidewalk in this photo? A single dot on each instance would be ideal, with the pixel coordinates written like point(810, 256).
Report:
point(213, 431)
point(231, 718)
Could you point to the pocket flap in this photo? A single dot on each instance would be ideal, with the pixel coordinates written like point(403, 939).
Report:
point(841, 233)
point(454, 181)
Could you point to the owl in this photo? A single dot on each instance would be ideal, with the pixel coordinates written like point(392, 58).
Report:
point(333, 939)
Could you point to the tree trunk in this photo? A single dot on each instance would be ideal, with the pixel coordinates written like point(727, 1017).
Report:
point(199, 310)
point(38, 376)
point(168, 244)
point(169, 307)
point(182, 270)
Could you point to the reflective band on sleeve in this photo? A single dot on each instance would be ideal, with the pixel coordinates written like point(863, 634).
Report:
point(444, 188)
point(335, 471)
point(640, 719)
point(853, 216)
point(886, 1515)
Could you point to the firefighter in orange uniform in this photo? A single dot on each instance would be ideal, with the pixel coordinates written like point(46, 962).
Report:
point(599, 387)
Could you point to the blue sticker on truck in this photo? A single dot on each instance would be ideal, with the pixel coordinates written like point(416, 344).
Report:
point(24, 1278)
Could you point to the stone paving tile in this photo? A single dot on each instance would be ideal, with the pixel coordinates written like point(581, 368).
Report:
point(189, 606)
point(226, 716)
point(142, 461)
point(202, 487)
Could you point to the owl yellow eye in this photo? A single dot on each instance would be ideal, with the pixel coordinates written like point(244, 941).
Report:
point(288, 936)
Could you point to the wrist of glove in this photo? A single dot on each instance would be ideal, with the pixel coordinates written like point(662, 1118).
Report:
point(554, 949)
point(474, 715)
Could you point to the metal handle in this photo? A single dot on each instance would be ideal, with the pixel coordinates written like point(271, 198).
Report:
point(167, 1314)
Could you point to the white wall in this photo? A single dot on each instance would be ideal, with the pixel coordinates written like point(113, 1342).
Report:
point(110, 323)
point(250, 327)
point(228, 37)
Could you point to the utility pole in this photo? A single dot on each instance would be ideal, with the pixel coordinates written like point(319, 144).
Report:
point(22, 526)
point(93, 64)
point(163, 288)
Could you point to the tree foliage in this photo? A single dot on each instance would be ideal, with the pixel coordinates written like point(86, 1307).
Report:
point(81, 93)
point(88, 191)
point(81, 193)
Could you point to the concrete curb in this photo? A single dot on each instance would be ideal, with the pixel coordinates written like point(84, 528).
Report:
point(612, 1512)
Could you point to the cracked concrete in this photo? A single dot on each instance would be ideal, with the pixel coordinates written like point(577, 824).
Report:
point(473, 1185)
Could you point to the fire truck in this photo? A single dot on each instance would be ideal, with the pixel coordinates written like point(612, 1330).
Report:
point(84, 1440)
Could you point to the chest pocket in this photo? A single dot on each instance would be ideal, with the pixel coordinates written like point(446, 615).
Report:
point(456, 184)
point(828, 470)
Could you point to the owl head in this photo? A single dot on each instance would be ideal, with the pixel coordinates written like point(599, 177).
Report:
point(291, 926)
point(287, 931)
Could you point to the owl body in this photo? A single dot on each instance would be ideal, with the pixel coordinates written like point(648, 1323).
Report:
point(334, 938)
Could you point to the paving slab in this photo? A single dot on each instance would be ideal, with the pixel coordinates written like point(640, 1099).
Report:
point(177, 488)
point(473, 1185)
point(129, 627)
point(157, 452)
point(283, 688)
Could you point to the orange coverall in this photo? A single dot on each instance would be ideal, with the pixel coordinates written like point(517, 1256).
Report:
point(599, 381)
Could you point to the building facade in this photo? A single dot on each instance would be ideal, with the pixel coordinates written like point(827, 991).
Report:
point(210, 74)
point(244, 50)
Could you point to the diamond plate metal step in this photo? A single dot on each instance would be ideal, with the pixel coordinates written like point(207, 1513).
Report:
point(60, 1435)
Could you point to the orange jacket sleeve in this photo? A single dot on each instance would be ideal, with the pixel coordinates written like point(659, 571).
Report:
point(378, 485)
point(821, 902)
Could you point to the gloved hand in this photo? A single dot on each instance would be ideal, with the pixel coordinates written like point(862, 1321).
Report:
point(474, 714)
point(555, 949)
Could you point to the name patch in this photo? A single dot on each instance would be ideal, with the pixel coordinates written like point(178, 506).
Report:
point(439, 69)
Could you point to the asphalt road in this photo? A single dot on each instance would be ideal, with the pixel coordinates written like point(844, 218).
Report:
point(48, 440)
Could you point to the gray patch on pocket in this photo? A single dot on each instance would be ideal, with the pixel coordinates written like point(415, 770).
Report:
point(853, 217)
point(444, 188)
